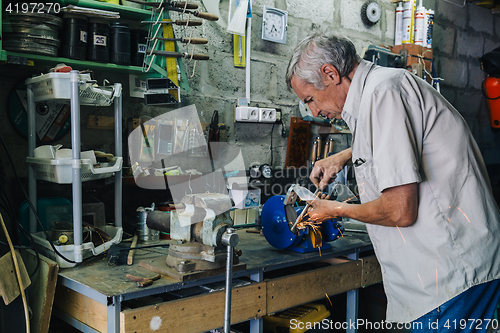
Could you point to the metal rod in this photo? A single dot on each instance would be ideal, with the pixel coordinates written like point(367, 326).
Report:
point(76, 166)
point(31, 148)
point(229, 288)
point(118, 153)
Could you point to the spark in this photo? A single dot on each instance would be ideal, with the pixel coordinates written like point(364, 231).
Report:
point(341, 233)
point(319, 249)
point(449, 220)
point(463, 213)
point(350, 198)
point(421, 281)
point(401, 234)
point(328, 298)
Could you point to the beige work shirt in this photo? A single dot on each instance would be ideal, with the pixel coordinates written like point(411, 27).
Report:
point(406, 132)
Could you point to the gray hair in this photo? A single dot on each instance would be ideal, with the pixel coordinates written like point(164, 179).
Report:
point(315, 51)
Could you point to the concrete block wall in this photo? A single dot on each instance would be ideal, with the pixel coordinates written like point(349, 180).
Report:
point(462, 34)
point(217, 83)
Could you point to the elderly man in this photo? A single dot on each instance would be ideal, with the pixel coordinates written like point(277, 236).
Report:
point(425, 192)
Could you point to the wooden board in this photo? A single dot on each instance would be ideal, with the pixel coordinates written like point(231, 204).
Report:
point(158, 265)
point(82, 308)
point(297, 151)
point(289, 291)
point(371, 273)
point(41, 291)
point(9, 286)
point(197, 313)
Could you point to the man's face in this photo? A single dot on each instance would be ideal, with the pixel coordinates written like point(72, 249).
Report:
point(328, 102)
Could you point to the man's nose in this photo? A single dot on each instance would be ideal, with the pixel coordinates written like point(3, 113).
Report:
point(314, 109)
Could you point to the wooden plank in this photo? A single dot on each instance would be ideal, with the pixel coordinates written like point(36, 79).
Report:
point(296, 289)
point(371, 272)
point(41, 291)
point(9, 286)
point(158, 265)
point(196, 314)
point(299, 136)
point(81, 307)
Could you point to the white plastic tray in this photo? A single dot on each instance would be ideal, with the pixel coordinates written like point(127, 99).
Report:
point(60, 170)
point(88, 249)
point(57, 86)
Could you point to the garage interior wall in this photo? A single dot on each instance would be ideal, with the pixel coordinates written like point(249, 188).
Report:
point(462, 33)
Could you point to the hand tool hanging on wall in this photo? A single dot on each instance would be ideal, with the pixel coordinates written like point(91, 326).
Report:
point(183, 40)
point(189, 23)
point(177, 4)
point(196, 56)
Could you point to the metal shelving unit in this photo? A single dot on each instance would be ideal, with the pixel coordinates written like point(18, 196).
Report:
point(29, 59)
point(74, 98)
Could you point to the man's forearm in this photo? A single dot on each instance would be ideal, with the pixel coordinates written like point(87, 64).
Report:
point(397, 206)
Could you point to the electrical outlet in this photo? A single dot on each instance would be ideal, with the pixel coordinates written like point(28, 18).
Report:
point(267, 115)
point(246, 114)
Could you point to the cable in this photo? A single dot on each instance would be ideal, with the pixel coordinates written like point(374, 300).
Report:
point(18, 274)
point(30, 203)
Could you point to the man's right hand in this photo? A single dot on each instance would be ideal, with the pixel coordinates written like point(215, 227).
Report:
point(325, 170)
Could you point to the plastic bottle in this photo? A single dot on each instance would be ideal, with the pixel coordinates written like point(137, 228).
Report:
point(398, 38)
point(430, 28)
point(420, 33)
point(407, 26)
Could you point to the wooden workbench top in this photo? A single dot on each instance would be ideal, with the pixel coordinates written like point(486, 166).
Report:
point(257, 254)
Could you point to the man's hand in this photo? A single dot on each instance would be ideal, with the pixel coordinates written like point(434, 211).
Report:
point(324, 170)
point(321, 210)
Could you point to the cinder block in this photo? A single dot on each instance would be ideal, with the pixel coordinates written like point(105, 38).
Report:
point(448, 92)
point(454, 72)
point(351, 18)
point(469, 44)
point(468, 104)
point(390, 19)
point(321, 11)
point(451, 13)
point(480, 19)
point(476, 75)
point(489, 45)
point(443, 39)
point(496, 26)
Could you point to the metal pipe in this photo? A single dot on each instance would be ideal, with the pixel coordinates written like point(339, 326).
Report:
point(230, 239)
point(31, 147)
point(118, 153)
point(76, 166)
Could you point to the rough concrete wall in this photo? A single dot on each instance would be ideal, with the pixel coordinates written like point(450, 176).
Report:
point(462, 34)
point(217, 83)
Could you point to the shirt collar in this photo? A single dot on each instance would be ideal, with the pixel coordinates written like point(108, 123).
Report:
point(353, 99)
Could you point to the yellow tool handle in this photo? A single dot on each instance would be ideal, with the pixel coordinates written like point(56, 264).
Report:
point(191, 23)
point(206, 16)
point(194, 40)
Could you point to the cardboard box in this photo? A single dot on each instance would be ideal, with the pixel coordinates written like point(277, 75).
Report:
point(245, 198)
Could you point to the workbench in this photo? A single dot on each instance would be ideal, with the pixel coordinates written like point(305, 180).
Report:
point(95, 297)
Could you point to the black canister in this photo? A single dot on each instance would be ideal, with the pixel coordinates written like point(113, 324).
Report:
point(98, 40)
point(74, 37)
point(138, 46)
point(119, 45)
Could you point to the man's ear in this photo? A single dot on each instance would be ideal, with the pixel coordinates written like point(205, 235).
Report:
point(330, 74)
